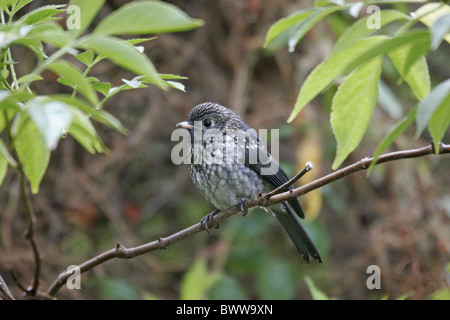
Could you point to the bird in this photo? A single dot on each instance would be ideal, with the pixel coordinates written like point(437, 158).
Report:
point(230, 164)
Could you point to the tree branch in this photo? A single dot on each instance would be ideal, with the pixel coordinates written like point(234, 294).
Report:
point(29, 235)
point(358, 166)
point(261, 200)
point(309, 166)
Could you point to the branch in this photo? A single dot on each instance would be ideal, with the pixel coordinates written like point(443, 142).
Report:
point(261, 200)
point(309, 166)
point(358, 166)
point(29, 235)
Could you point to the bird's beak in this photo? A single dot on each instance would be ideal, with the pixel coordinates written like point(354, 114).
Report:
point(186, 125)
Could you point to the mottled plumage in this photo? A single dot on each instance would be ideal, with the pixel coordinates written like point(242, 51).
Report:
point(225, 169)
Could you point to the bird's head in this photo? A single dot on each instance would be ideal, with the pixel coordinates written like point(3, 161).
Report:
point(208, 115)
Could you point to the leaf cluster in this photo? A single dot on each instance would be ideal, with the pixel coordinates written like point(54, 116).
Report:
point(356, 65)
point(35, 123)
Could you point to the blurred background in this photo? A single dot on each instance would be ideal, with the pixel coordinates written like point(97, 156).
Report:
point(398, 218)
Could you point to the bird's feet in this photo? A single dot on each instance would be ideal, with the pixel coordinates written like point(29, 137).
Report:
point(207, 220)
point(241, 206)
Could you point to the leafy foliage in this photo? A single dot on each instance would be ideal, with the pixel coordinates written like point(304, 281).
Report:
point(357, 58)
point(35, 122)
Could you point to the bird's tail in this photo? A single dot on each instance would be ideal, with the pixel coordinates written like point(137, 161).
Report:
point(297, 233)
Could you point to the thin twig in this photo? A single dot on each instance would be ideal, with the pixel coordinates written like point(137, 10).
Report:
point(29, 235)
point(358, 166)
point(26, 292)
point(161, 243)
point(308, 167)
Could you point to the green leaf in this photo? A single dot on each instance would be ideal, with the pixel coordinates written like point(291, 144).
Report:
point(352, 108)
point(81, 13)
point(139, 40)
point(286, 23)
point(134, 83)
point(92, 80)
point(51, 117)
point(329, 70)
point(102, 87)
point(430, 104)
point(81, 127)
point(315, 292)
point(360, 29)
point(86, 57)
point(15, 4)
point(42, 14)
point(417, 75)
point(393, 133)
point(29, 77)
point(436, 10)
point(82, 130)
point(34, 45)
point(3, 168)
point(32, 150)
point(6, 155)
point(176, 85)
point(298, 32)
point(348, 59)
point(75, 77)
point(3, 121)
point(123, 54)
point(10, 100)
point(193, 284)
point(355, 9)
point(99, 115)
point(51, 33)
point(145, 17)
point(443, 293)
point(109, 120)
point(439, 29)
point(439, 122)
point(4, 5)
point(418, 38)
point(320, 3)
point(172, 77)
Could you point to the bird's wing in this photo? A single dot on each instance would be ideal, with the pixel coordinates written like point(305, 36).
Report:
point(261, 161)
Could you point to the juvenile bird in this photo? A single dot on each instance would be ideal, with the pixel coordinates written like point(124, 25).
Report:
point(230, 164)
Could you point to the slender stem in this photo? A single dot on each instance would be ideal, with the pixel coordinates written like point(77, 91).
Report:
point(9, 57)
point(30, 232)
point(308, 167)
point(13, 70)
point(29, 235)
point(358, 166)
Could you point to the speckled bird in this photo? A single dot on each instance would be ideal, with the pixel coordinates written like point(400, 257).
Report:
point(225, 169)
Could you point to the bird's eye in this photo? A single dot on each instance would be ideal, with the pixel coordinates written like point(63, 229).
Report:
point(207, 123)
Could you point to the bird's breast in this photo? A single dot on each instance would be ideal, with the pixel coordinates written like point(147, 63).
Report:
point(224, 185)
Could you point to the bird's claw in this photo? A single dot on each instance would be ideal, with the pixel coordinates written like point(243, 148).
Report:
point(244, 211)
point(206, 220)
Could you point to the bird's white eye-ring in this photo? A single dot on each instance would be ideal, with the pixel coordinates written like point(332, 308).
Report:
point(207, 123)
